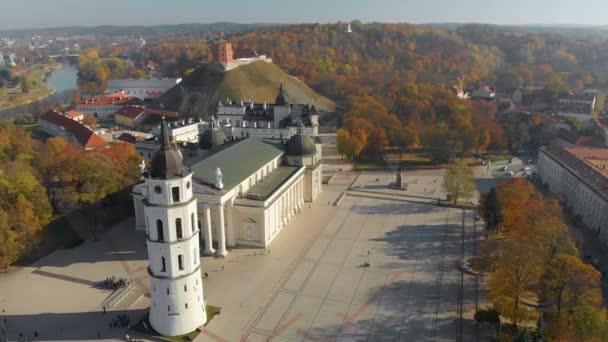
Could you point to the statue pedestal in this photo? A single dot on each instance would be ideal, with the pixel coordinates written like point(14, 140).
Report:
point(399, 183)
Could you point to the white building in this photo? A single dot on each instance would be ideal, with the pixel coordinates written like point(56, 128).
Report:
point(262, 184)
point(105, 106)
point(185, 130)
point(579, 176)
point(579, 106)
point(170, 218)
point(269, 121)
point(143, 89)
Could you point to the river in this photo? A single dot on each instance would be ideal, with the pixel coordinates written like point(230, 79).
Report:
point(63, 78)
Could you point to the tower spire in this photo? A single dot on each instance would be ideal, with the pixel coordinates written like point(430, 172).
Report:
point(164, 135)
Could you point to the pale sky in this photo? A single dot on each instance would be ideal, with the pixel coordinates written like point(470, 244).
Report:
point(16, 14)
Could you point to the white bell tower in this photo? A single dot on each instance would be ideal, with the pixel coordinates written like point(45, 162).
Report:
point(178, 305)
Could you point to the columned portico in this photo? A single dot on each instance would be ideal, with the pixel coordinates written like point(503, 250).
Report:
point(207, 231)
point(230, 233)
point(221, 231)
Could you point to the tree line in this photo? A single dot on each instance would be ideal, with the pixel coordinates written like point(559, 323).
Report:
point(37, 177)
point(534, 256)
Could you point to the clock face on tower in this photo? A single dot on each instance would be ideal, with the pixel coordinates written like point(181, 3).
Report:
point(158, 189)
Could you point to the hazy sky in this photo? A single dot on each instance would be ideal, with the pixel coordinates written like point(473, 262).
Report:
point(51, 13)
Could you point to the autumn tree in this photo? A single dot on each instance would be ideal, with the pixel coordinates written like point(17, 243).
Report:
point(95, 181)
point(519, 268)
point(90, 121)
point(58, 165)
point(572, 284)
point(458, 181)
point(349, 144)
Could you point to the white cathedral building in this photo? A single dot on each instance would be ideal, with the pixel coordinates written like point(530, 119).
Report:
point(238, 192)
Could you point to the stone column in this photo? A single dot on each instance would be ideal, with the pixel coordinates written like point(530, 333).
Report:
point(230, 233)
point(221, 231)
point(207, 231)
point(282, 211)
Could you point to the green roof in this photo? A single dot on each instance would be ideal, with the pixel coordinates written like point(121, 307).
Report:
point(237, 161)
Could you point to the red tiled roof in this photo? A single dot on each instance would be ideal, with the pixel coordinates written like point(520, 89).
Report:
point(109, 99)
point(588, 152)
point(131, 112)
point(87, 138)
point(73, 113)
point(162, 113)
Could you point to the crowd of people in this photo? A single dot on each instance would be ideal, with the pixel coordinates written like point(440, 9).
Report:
point(114, 283)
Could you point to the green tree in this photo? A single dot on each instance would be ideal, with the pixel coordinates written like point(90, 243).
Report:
point(574, 123)
point(458, 181)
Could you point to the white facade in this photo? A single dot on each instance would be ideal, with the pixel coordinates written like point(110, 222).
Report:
point(143, 89)
point(183, 131)
point(234, 216)
point(566, 181)
point(171, 221)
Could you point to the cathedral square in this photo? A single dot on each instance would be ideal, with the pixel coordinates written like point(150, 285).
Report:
point(333, 273)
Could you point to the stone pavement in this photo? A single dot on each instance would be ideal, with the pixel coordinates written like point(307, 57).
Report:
point(408, 293)
point(310, 285)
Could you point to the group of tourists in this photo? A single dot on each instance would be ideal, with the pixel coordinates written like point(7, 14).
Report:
point(114, 283)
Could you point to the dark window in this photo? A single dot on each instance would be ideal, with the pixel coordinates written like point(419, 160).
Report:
point(163, 265)
point(180, 262)
point(186, 305)
point(175, 192)
point(168, 308)
point(160, 236)
point(178, 228)
point(192, 222)
point(168, 290)
point(185, 288)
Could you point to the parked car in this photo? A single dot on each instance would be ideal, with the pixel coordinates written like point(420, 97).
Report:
point(504, 168)
point(509, 174)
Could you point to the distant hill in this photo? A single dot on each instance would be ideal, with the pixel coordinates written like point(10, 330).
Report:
point(563, 30)
point(201, 91)
point(152, 30)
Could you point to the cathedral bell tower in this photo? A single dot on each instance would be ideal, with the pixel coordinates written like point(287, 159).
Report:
point(178, 305)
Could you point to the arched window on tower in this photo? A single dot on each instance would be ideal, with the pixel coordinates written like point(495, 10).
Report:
point(178, 228)
point(180, 262)
point(163, 264)
point(160, 236)
point(192, 222)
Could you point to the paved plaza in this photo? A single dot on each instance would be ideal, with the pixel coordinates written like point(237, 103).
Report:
point(311, 285)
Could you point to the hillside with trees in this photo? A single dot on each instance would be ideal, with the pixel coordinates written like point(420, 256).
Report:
point(201, 91)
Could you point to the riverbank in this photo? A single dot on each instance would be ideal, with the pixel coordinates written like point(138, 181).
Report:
point(40, 88)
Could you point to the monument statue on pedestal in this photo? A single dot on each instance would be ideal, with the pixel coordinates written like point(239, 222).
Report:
point(218, 179)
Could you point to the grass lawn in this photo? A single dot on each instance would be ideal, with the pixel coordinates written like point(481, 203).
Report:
point(144, 327)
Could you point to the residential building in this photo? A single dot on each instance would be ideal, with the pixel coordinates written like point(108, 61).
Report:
point(579, 176)
point(142, 118)
point(144, 88)
point(104, 106)
point(484, 92)
point(181, 131)
point(75, 115)
point(60, 125)
point(580, 106)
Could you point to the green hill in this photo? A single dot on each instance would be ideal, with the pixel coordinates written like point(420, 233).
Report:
point(200, 92)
